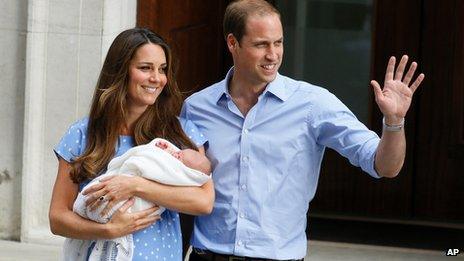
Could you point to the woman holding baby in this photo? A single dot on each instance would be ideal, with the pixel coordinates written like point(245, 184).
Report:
point(136, 100)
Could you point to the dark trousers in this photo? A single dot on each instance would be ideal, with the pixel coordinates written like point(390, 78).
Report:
point(205, 255)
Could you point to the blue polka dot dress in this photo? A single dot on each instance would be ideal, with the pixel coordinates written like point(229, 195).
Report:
point(162, 240)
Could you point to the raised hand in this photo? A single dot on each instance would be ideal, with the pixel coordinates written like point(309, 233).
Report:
point(395, 97)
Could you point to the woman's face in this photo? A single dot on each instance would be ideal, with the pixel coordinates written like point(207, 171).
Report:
point(147, 76)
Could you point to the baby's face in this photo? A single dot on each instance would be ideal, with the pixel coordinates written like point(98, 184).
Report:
point(190, 158)
point(193, 159)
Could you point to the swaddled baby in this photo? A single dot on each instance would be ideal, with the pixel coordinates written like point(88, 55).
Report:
point(159, 161)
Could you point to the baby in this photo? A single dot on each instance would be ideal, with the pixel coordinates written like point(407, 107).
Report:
point(159, 161)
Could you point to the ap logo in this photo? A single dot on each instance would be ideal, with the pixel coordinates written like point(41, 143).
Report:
point(452, 252)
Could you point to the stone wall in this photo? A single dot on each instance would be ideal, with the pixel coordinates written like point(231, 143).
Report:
point(51, 52)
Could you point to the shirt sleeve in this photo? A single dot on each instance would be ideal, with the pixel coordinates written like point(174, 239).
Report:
point(192, 131)
point(336, 127)
point(72, 143)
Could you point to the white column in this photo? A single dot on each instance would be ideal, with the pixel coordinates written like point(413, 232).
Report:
point(33, 149)
point(125, 11)
point(13, 20)
point(66, 44)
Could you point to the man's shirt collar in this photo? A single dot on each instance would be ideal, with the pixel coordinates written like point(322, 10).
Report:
point(276, 87)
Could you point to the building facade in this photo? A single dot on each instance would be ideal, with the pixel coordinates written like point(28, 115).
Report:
point(51, 53)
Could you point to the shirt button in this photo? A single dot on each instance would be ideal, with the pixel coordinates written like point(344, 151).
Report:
point(245, 158)
point(243, 186)
point(240, 243)
point(245, 131)
point(242, 215)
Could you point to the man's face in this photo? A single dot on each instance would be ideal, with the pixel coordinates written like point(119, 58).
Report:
point(258, 56)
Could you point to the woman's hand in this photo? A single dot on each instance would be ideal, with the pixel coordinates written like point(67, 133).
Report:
point(66, 223)
point(111, 189)
point(123, 223)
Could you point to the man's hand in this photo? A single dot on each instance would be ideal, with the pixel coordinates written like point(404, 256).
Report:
point(395, 97)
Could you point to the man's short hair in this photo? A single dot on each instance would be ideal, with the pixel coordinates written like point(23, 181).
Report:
point(238, 11)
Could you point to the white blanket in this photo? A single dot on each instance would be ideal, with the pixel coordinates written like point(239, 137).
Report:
point(147, 161)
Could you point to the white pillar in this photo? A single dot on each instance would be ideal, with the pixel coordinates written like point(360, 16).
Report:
point(13, 20)
point(66, 44)
point(33, 173)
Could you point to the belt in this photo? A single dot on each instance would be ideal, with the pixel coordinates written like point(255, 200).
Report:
point(199, 254)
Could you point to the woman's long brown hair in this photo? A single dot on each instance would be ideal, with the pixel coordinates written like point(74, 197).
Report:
point(109, 107)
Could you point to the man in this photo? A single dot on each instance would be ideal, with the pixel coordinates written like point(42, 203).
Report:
point(267, 134)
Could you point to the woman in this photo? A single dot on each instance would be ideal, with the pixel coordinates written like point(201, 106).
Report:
point(136, 99)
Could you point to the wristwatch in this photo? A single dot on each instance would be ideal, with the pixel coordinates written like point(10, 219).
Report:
point(397, 127)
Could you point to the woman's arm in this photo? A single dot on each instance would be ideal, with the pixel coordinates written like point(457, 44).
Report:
point(190, 200)
point(64, 222)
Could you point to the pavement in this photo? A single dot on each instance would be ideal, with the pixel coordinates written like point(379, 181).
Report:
point(317, 251)
point(15, 251)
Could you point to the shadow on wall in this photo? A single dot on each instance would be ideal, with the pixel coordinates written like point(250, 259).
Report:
point(5, 176)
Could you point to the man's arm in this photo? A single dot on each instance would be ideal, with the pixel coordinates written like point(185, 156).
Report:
point(394, 101)
point(390, 154)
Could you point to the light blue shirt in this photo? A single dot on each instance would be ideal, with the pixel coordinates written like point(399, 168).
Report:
point(266, 165)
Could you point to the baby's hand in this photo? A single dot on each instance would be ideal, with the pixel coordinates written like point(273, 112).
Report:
point(165, 146)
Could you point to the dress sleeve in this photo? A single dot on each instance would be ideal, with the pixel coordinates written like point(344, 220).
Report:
point(72, 144)
point(193, 132)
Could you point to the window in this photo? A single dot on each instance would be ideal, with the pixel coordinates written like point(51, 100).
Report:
point(328, 43)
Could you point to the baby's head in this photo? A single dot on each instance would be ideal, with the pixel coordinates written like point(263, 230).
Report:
point(195, 160)
point(190, 158)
